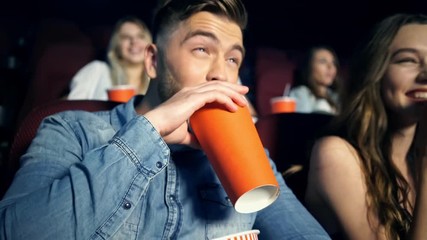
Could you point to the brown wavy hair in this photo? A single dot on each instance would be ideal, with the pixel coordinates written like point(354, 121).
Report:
point(364, 122)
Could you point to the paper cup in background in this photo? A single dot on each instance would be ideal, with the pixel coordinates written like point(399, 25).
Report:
point(121, 93)
point(233, 147)
point(283, 104)
point(247, 235)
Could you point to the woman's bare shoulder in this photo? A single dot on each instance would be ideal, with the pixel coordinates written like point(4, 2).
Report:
point(333, 150)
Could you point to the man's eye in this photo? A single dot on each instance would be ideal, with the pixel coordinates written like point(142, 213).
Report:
point(200, 49)
point(234, 60)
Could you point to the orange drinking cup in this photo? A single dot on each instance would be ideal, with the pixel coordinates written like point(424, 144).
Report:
point(283, 104)
point(121, 93)
point(233, 147)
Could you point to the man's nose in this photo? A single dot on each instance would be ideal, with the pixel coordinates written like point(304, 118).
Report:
point(217, 70)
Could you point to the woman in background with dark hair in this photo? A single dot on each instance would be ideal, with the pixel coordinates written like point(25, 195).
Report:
point(316, 86)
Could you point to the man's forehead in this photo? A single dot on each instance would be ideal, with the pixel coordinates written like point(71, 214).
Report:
point(219, 25)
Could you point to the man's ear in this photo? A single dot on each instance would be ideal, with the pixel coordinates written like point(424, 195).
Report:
point(150, 60)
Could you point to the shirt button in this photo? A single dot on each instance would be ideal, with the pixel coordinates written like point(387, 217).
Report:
point(127, 205)
point(172, 197)
point(159, 164)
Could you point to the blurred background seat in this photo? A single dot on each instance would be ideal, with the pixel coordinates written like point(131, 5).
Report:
point(51, 31)
point(274, 68)
point(289, 138)
point(53, 73)
point(100, 37)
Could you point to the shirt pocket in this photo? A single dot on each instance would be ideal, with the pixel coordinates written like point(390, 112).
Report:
point(129, 229)
point(126, 231)
point(221, 217)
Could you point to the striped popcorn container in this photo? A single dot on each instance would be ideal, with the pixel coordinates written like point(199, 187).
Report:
point(247, 235)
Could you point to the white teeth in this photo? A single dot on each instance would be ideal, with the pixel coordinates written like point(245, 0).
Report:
point(420, 95)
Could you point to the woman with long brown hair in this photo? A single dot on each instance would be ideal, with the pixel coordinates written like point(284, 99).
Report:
point(367, 178)
point(317, 83)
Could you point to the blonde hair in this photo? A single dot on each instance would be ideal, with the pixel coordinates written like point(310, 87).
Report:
point(118, 74)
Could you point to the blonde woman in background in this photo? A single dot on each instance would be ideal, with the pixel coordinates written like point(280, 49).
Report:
point(125, 63)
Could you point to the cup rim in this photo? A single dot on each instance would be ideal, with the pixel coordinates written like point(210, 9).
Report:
point(282, 98)
point(120, 87)
point(238, 234)
point(257, 198)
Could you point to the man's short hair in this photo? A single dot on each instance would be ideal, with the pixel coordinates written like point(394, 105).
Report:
point(175, 11)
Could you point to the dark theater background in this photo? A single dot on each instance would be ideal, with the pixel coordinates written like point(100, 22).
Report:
point(28, 28)
point(282, 24)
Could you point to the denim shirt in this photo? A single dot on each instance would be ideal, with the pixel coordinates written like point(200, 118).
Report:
point(110, 175)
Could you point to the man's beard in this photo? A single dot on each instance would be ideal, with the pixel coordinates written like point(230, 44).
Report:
point(168, 86)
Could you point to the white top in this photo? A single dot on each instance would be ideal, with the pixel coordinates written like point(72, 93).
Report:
point(308, 103)
point(91, 82)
